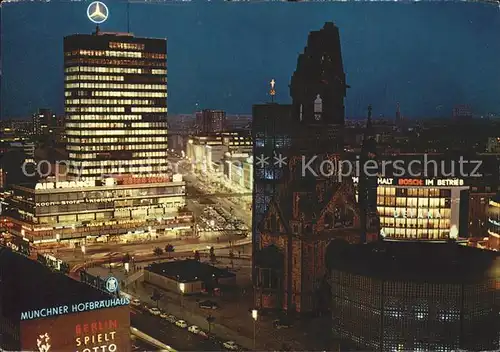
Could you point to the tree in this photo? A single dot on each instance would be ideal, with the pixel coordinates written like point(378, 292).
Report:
point(197, 255)
point(212, 255)
point(169, 249)
point(158, 251)
point(156, 296)
point(210, 320)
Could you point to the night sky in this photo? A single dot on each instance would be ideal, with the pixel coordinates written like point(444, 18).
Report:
point(427, 56)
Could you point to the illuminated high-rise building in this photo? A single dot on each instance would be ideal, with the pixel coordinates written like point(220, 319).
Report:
point(116, 104)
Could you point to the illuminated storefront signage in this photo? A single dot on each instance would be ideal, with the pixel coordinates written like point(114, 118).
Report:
point(416, 214)
point(410, 182)
point(69, 202)
point(74, 308)
point(98, 336)
point(132, 180)
point(417, 182)
point(66, 184)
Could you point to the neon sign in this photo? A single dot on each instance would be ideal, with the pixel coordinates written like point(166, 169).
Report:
point(101, 333)
point(66, 184)
point(97, 12)
point(74, 308)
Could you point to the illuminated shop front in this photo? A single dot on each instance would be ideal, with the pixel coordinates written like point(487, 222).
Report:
point(494, 223)
point(48, 311)
point(422, 209)
point(72, 210)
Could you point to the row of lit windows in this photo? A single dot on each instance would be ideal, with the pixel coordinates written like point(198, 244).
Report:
point(93, 78)
point(117, 125)
point(116, 86)
point(110, 148)
point(129, 94)
point(107, 163)
point(414, 202)
point(110, 169)
point(150, 154)
point(101, 69)
point(148, 109)
point(167, 190)
point(115, 132)
point(420, 212)
point(116, 140)
point(111, 53)
point(95, 109)
point(103, 117)
point(413, 192)
point(126, 46)
point(424, 234)
point(109, 101)
point(115, 62)
point(415, 223)
point(125, 70)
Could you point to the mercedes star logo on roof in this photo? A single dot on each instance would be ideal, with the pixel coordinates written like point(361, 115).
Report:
point(97, 12)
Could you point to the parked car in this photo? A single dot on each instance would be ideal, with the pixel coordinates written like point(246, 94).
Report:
point(208, 304)
point(230, 345)
point(181, 323)
point(171, 318)
point(194, 329)
point(281, 324)
point(135, 302)
point(163, 315)
point(154, 311)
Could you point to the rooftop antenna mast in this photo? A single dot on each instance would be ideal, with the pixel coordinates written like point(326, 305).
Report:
point(272, 91)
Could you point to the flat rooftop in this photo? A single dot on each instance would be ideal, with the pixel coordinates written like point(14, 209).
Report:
point(27, 285)
point(415, 261)
point(189, 270)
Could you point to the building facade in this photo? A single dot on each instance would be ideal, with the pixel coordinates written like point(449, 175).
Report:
point(207, 151)
point(53, 312)
point(422, 209)
point(87, 211)
point(211, 121)
point(43, 121)
point(386, 298)
point(115, 104)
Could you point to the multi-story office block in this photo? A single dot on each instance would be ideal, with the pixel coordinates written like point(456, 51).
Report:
point(116, 104)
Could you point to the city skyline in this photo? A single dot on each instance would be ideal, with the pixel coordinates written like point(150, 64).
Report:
point(382, 66)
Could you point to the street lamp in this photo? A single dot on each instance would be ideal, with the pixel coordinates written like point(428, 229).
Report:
point(182, 287)
point(254, 316)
